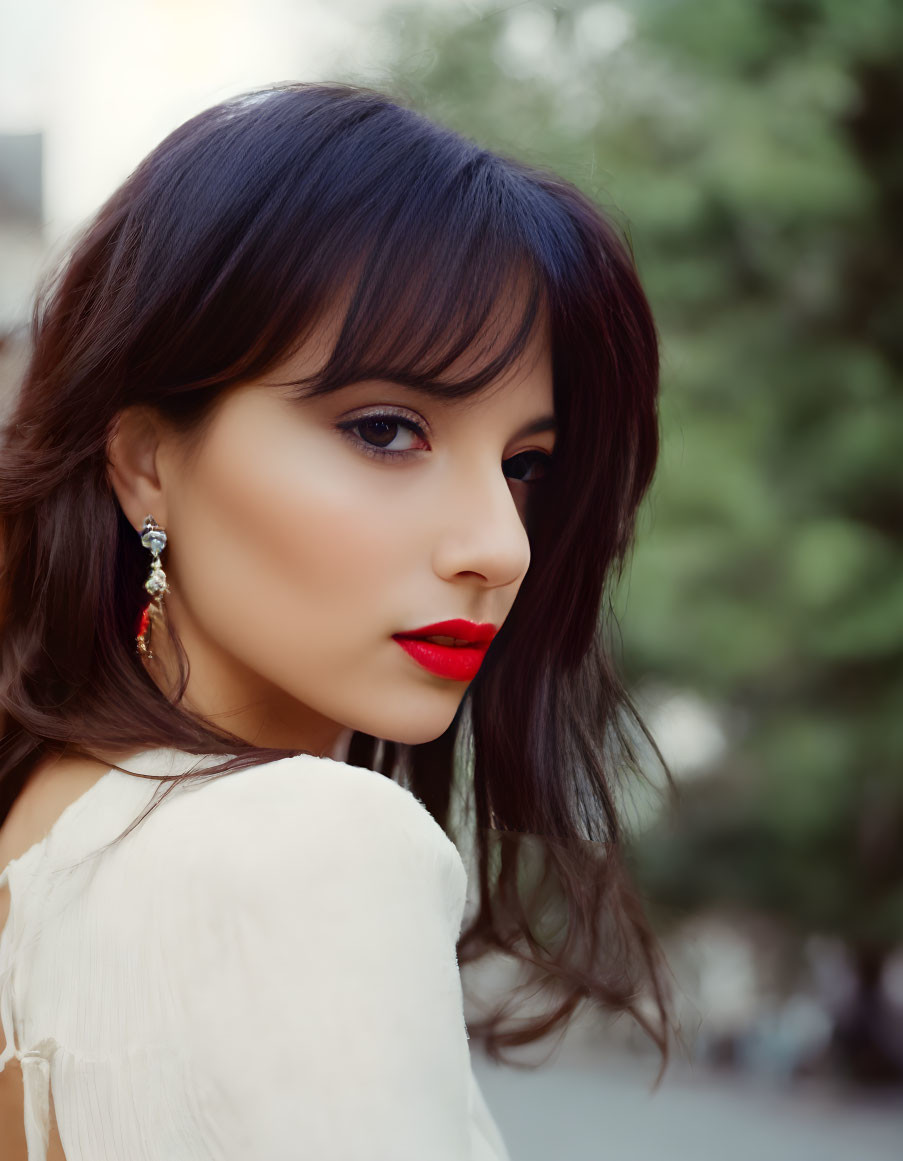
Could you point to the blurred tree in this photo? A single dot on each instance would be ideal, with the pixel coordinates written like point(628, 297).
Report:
point(756, 148)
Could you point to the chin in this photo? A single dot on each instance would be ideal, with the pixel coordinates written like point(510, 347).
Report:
point(426, 728)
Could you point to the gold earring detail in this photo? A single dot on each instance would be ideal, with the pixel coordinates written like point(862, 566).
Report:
point(153, 537)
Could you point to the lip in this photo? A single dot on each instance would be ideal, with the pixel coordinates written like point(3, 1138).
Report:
point(478, 634)
point(455, 662)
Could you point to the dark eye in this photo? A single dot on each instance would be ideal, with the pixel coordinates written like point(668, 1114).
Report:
point(374, 433)
point(380, 432)
point(525, 463)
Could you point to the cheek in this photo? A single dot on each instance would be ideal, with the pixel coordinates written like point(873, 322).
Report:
point(287, 540)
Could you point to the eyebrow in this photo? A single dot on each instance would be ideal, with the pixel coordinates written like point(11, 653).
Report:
point(544, 423)
point(534, 427)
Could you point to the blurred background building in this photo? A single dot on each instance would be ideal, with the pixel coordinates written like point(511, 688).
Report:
point(751, 150)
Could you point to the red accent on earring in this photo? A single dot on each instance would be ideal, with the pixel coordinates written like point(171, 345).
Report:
point(144, 621)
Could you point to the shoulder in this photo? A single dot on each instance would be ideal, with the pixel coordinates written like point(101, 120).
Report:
point(304, 794)
point(276, 824)
point(52, 786)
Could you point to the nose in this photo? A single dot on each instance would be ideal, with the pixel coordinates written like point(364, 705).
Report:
point(479, 528)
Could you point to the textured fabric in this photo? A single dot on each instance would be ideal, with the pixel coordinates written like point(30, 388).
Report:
point(265, 967)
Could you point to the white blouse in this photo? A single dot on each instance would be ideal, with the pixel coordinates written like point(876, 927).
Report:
point(263, 968)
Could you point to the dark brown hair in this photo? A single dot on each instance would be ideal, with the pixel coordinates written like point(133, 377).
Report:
point(206, 268)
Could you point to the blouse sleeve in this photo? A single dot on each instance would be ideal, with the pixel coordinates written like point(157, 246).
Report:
point(306, 916)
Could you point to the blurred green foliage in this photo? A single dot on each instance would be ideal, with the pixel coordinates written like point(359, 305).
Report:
point(752, 152)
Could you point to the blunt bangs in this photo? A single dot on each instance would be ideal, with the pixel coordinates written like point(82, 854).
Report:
point(442, 256)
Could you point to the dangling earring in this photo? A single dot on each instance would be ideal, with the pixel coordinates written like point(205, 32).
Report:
point(153, 538)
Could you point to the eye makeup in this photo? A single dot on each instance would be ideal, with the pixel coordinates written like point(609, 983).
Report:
point(385, 418)
point(389, 419)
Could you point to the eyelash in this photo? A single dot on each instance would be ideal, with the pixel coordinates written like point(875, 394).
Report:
point(378, 453)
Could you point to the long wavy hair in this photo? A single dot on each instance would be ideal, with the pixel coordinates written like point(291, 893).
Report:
point(207, 267)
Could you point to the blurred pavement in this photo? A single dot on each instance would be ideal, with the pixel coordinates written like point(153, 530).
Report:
point(606, 1112)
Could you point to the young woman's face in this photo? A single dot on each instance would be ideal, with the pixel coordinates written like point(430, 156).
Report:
point(296, 550)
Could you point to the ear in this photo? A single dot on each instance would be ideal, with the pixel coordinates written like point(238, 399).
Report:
point(132, 465)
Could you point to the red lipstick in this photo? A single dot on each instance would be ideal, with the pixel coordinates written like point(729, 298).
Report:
point(457, 662)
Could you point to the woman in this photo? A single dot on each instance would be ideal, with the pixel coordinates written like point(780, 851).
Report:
point(331, 442)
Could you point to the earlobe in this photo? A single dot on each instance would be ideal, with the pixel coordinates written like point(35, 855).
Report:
point(133, 465)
